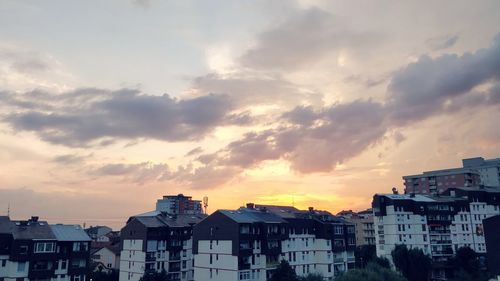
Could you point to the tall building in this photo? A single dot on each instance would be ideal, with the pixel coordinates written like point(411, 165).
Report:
point(434, 182)
point(35, 250)
point(157, 241)
point(475, 171)
point(489, 170)
point(179, 204)
point(248, 243)
point(438, 225)
point(363, 221)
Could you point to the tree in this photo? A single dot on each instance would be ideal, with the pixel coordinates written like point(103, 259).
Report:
point(466, 266)
point(154, 276)
point(383, 262)
point(364, 254)
point(312, 277)
point(372, 272)
point(284, 272)
point(100, 275)
point(413, 264)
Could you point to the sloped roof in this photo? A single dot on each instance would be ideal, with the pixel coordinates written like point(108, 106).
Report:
point(69, 232)
point(31, 230)
point(244, 215)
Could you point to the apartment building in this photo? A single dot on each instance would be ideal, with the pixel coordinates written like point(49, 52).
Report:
point(438, 225)
point(475, 171)
point(363, 221)
point(488, 169)
point(248, 243)
point(35, 250)
point(157, 241)
point(179, 204)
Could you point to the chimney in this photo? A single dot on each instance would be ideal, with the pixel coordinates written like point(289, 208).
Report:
point(311, 209)
point(250, 205)
point(34, 219)
point(395, 190)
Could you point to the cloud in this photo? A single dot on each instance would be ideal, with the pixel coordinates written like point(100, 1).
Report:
point(85, 117)
point(69, 159)
point(140, 173)
point(442, 42)
point(302, 40)
point(423, 88)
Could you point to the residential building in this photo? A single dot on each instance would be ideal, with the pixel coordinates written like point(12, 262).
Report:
point(35, 250)
point(99, 233)
point(179, 204)
point(438, 225)
point(157, 241)
point(475, 171)
point(489, 170)
point(106, 258)
point(248, 243)
point(363, 221)
point(434, 182)
point(491, 233)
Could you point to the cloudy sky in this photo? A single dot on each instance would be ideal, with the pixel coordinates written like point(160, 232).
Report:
point(105, 106)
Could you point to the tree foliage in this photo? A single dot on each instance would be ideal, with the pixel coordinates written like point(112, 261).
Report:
point(372, 272)
point(284, 272)
point(364, 254)
point(413, 263)
point(154, 276)
point(312, 277)
point(466, 266)
point(100, 275)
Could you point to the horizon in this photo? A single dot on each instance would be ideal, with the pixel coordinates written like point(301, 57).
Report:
point(106, 106)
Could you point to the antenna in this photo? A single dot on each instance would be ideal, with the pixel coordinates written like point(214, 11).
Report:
point(293, 201)
point(8, 210)
point(205, 203)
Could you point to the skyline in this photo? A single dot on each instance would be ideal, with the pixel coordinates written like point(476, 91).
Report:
point(105, 106)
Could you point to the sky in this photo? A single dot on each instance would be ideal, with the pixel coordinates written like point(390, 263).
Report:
point(105, 106)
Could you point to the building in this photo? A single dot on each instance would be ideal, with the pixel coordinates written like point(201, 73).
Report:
point(179, 204)
point(363, 221)
point(491, 233)
point(106, 258)
point(248, 243)
point(489, 170)
point(434, 182)
point(475, 171)
point(35, 250)
point(157, 241)
point(438, 225)
point(99, 233)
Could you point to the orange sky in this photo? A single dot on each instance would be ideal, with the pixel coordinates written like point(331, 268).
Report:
point(105, 107)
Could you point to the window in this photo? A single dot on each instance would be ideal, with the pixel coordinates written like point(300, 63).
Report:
point(44, 247)
point(80, 246)
point(4, 263)
point(339, 230)
point(21, 266)
point(76, 278)
point(64, 264)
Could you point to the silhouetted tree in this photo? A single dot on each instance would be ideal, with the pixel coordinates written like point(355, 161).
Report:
point(101, 275)
point(466, 266)
point(413, 264)
point(155, 276)
point(383, 262)
point(284, 272)
point(364, 254)
point(372, 272)
point(312, 277)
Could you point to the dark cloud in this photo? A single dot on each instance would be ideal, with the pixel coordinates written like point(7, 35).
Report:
point(423, 88)
point(442, 42)
point(87, 117)
point(194, 151)
point(303, 39)
point(24, 61)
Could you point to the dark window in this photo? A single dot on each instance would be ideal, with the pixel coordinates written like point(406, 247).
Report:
point(20, 279)
point(4, 263)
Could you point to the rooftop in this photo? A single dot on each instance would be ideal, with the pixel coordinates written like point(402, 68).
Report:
point(69, 232)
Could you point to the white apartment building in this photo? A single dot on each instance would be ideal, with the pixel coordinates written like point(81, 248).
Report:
point(438, 225)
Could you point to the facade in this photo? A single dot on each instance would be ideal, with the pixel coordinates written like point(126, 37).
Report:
point(434, 182)
point(34, 250)
point(106, 258)
point(438, 225)
point(491, 232)
point(179, 204)
point(248, 243)
point(489, 170)
point(158, 241)
point(363, 221)
point(475, 171)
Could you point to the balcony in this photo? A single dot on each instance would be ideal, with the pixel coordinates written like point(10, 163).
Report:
point(441, 242)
